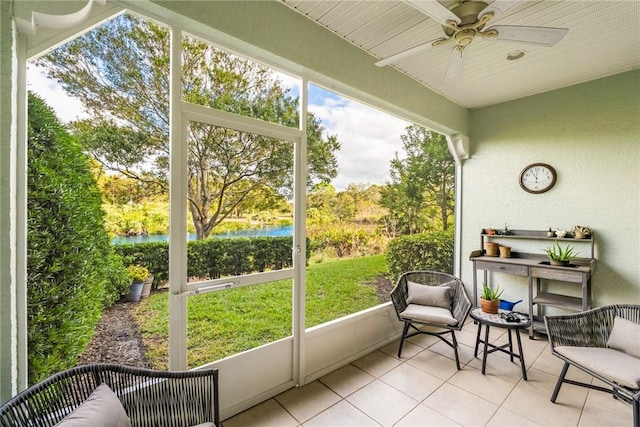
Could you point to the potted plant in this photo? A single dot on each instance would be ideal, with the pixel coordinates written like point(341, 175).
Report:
point(490, 299)
point(138, 274)
point(560, 256)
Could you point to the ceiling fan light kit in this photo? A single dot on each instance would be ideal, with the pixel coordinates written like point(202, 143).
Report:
point(466, 21)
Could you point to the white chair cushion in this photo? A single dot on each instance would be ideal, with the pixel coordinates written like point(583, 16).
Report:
point(625, 336)
point(614, 365)
point(423, 313)
point(436, 296)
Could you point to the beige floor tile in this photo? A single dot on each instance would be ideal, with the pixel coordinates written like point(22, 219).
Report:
point(308, 401)
point(342, 414)
point(412, 381)
point(377, 363)
point(383, 403)
point(505, 418)
point(423, 340)
point(539, 408)
point(434, 364)
point(543, 383)
point(531, 348)
point(489, 387)
point(499, 365)
point(465, 353)
point(408, 349)
point(461, 406)
point(347, 380)
point(424, 416)
point(601, 409)
point(467, 337)
point(266, 414)
point(548, 363)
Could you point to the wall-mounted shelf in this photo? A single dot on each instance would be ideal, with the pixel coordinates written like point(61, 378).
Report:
point(536, 266)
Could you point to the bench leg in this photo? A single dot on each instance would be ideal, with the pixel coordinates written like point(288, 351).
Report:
point(522, 364)
point(486, 344)
point(404, 333)
point(636, 413)
point(455, 349)
point(560, 381)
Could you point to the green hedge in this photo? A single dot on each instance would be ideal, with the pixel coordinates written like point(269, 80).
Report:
point(420, 252)
point(214, 258)
point(72, 272)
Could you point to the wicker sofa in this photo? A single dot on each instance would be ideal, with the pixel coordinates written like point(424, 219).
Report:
point(603, 342)
point(146, 398)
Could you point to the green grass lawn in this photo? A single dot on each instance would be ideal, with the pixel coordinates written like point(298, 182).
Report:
point(224, 323)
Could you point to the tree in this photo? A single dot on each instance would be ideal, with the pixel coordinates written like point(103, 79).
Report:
point(72, 272)
point(422, 183)
point(120, 71)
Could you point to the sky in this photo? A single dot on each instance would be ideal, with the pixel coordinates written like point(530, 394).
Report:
point(369, 138)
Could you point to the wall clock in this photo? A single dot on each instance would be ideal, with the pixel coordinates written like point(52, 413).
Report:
point(537, 178)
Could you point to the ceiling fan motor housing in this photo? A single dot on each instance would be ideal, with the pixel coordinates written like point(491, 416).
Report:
point(468, 14)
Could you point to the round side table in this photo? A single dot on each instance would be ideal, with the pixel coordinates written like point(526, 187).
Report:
point(496, 320)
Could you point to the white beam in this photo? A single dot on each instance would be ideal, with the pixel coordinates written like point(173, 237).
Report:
point(177, 210)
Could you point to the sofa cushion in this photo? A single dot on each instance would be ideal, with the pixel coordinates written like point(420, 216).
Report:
point(614, 365)
point(435, 296)
point(424, 313)
point(625, 336)
point(101, 409)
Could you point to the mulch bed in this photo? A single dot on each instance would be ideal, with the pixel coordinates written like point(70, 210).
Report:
point(117, 339)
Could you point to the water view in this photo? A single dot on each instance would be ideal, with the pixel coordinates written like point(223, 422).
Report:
point(276, 231)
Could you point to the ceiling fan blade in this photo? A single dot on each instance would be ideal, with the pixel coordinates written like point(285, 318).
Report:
point(456, 63)
point(543, 36)
point(434, 10)
point(499, 7)
point(398, 56)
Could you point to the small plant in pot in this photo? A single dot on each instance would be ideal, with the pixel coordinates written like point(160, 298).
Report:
point(490, 299)
point(138, 274)
point(559, 255)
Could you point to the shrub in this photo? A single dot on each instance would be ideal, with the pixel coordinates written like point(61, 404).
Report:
point(420, 252)
point(347, 241)
point(213, 258)
point(72, 272)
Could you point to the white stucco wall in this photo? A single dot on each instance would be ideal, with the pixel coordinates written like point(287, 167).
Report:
point(590, 133)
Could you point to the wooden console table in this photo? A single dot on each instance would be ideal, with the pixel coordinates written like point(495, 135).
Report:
point(536, 266)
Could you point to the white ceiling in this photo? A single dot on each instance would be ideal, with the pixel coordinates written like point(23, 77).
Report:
point(603, 39)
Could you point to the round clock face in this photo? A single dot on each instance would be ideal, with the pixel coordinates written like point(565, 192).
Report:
point(537, 178)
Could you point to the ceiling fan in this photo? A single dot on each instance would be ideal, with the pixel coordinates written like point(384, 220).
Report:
point(466, 21)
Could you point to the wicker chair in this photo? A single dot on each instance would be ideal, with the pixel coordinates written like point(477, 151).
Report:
point(460, 307)
point(575, 334)
point(150, 398)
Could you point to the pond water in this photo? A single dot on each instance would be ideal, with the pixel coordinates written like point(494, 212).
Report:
point(276, 231)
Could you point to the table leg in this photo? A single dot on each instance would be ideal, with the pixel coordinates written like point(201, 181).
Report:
point(486, 344)
point(524, 367)
point(475, 352)
point(510, 346)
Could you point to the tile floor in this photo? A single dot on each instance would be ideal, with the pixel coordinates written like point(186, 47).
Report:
point(424, 388)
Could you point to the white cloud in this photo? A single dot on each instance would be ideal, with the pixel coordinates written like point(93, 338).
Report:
point(67, 108)
point(369, 139)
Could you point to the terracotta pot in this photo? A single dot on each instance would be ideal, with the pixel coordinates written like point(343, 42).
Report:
point(491, 248)
point(505, 251)
point(489, 306)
